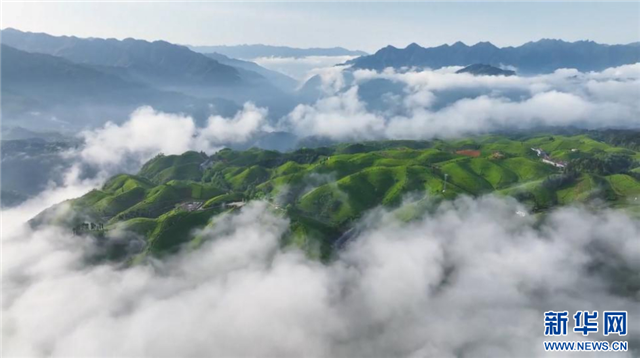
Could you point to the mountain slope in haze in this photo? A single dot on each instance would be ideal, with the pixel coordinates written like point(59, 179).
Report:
point(280, 80)
point(157, 62)
point(41, 91)
point(323, 191)
point(485, 70)
point(19, 133)
point(159, 65)
point(31, 165)
point(542, 56)
point(256, 51)
point(48, 74)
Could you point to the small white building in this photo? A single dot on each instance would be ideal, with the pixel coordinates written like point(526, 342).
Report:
point(540, 152)
point(555, 164)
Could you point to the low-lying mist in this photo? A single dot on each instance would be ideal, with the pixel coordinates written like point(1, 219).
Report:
point(300, 68)
point(368, 105)
point(365, 104)
point(469, 279)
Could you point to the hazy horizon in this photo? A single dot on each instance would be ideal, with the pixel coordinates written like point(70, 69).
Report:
point(355, 26)
point(325, 47)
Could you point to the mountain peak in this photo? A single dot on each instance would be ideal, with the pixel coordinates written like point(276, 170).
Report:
point(480, 69)
point(485, 44)
point(386, 49)
point(550, 41)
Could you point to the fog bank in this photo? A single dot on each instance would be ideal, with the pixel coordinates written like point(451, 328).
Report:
point(471, 279)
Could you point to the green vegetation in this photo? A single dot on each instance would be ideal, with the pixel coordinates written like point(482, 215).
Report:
point(323, 191)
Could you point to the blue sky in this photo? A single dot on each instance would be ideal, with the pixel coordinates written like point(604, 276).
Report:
point(365, 26)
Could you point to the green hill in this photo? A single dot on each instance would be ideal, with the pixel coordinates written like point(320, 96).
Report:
point(324, 190)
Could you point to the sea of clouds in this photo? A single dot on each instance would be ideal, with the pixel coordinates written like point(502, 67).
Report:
point(470, 279)
point(419, 105)
point(443, 103)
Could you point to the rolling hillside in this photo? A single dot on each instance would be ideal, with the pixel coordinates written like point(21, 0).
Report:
point(323, 191)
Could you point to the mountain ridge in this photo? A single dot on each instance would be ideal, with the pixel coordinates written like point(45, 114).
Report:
point(151, 62)
point(542, 56)
point(39, 88)
point(159, 65)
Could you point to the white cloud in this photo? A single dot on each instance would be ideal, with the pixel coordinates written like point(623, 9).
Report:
point(149, 132)
point(331, 78)
point(234, 130)
point(443, 103)
point(470, 279)
point(145, 134)
point(336, 117)
point(115, 149)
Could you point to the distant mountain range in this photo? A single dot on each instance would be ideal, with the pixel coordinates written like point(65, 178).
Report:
point(48, 92)
point(542, 56)
point(46, 73)
point(157, 62)
point(58, 77)
point(479, 69)
point(256, 51)
point(50, 81)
